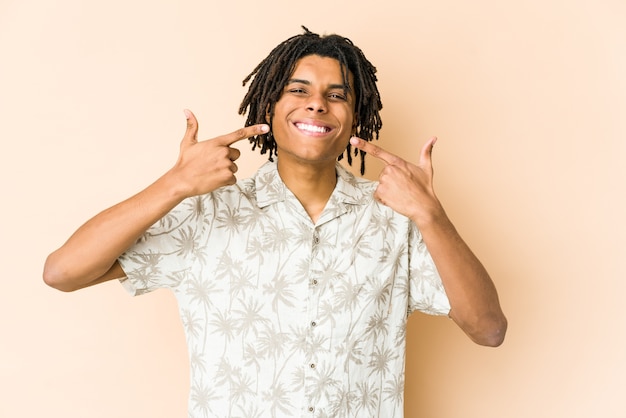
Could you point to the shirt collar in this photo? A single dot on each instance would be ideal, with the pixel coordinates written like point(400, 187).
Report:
point(349, 189)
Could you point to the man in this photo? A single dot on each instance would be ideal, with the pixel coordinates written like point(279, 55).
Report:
point(294, 286)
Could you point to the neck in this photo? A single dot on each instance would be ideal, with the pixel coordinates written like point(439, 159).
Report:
point(311, 184)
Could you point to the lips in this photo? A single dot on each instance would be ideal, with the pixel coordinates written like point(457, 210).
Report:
point(315, 129)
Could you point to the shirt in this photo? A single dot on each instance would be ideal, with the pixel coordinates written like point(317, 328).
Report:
point(284, 317)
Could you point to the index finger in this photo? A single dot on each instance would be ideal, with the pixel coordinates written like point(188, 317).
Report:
point(374, 150)
point(242, 133)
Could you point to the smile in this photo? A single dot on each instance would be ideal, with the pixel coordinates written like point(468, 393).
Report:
point(312, 128)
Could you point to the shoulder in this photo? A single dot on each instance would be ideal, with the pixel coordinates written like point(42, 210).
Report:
point(358, 189)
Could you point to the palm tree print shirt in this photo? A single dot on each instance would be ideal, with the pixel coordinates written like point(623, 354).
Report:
point(283, 317)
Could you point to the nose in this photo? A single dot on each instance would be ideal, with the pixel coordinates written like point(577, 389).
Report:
point(316, 103)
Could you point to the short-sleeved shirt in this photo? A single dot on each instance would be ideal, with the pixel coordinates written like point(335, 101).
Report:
point(285, 317)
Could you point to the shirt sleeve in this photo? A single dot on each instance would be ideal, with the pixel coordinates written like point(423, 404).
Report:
point(426, 291)
point(161, 257)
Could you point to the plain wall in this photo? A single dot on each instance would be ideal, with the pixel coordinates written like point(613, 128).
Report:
point(528, 100)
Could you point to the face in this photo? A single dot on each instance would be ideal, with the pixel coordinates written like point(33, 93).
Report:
point(314, 117)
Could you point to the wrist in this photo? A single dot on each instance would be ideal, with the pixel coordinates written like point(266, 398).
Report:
point(171, 188)
point(430, 217)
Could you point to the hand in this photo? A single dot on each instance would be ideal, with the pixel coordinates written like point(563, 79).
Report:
point(405, 187)
point(207, 165)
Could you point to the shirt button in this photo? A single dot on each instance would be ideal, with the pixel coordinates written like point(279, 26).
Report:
point(311, 409)
point(313, 323)
point(312, 365)
point(314, 282)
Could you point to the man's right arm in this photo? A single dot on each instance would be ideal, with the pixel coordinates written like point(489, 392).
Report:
point(90, 255)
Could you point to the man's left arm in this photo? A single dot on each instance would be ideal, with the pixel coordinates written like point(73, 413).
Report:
point(408, 189)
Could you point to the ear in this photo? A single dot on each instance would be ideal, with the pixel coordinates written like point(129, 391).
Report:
point(268, 115)
point(355, 123)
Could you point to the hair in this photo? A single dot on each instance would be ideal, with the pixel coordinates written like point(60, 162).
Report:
point(271, 75)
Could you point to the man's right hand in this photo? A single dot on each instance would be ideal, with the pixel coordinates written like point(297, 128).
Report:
point(207, 165)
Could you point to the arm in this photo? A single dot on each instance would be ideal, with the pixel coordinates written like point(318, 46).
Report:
point(90, 255)
point(408, 189)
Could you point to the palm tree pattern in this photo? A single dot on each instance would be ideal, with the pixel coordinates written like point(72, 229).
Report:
point(283, 317)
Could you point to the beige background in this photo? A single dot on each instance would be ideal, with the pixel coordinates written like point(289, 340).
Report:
point(528, 100)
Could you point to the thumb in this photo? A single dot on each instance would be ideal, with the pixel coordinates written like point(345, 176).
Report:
point(191, 134)
point(427, 150)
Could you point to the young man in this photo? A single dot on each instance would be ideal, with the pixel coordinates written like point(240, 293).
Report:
point(294, 286)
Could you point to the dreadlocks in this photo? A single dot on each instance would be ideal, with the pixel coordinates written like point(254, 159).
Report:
point(271, 75)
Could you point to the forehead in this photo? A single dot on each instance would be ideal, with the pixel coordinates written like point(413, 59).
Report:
point(321, 69)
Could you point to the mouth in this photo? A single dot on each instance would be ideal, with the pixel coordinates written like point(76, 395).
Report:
point(312, 129)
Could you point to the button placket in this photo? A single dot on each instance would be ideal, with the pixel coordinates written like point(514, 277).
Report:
point(312, 311)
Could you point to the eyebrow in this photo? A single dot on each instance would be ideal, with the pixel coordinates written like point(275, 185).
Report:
point(308, 83)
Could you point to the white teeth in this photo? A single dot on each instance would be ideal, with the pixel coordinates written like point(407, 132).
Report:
point(312, 128)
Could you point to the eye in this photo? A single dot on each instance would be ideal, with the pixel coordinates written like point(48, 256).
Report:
point(338, 96)
point(297, 90)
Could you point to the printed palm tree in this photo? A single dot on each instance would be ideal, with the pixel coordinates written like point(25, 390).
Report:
point(382, 223)
point(225, 325)
point(279, 290)
point(256, 249)
point(201, 398)
point(396, 258)
point(366, 399)
point(321, 384)
point(357, 246)
point(279, 399)
point(380, 359)
point(191, 323)
point(379, 364)
point(380, 290)
point(302, 234)
point(297, 379)
point(200, 290)
point(186, 242)
point(328, 273)
point(326, 313)
point(224, 266)
point(377, 326)
point(400, 334)
point(249, 317)
point(232, 219)
point(252, 357)
point(277, 238)
point(394, 390)
point(241, 280)
point(226, 373)
point(272, 343)
point(147, 265)
point(272, 184)
point(196, 207)
point(241, 390)
point(299, 338)
point(165, 225)
point(341, 403)
point(317, 344)
point(351, 350)
point(347, 295)
point(197, 362)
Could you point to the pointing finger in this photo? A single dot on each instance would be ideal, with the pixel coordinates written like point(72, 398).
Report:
point(242, 133)
point(374, 150)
